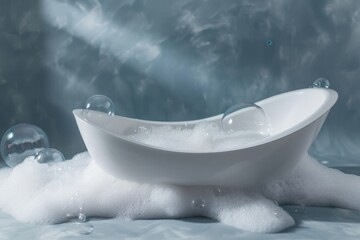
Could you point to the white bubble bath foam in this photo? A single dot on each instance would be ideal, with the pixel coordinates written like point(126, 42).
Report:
point(149, 170)
point(50, 194)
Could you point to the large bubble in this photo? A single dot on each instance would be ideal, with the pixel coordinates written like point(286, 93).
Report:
point(246, 119)
point(100, 103)
point(21, 141)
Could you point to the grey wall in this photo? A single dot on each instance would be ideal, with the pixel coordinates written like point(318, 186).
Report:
point(175, 60)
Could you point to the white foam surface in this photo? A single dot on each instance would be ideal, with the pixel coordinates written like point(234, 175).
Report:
point(205, 136)
point(47, 194)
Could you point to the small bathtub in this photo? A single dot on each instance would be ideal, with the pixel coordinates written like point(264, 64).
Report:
point(295, 117)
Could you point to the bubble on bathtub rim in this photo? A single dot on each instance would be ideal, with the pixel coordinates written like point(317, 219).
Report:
point(321, 83)
point(252, 122)
point(49, 156)
point(21, 141)
point(100, 103)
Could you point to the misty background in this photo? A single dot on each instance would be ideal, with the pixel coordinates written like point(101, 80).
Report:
point(177, 60)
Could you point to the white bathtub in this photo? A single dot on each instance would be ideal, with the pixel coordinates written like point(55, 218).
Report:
point(296, 118)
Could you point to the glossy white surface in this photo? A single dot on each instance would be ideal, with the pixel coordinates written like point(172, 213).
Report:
point(296, 118)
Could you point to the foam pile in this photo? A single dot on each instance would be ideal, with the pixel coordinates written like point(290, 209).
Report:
point(47, 194)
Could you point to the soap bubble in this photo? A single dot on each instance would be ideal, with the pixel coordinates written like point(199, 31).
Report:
point(82, 217)
point(321, 83)
point(21, 141)
point(49, 155)
point(84, 228)
point(299, 208)
point(100, 103)
point(217, 191)
point(246, 119)
point(199, 203)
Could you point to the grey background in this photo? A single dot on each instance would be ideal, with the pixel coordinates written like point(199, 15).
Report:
point(176, 60)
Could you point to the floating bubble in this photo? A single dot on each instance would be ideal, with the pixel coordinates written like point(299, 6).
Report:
point(321, 83)
point(82, 217)
point(199, 203)
point(299, 208)
point(217, 191)
point(269, 42)
point(246, 119)
point(84, 228)
point(49, 155)
point(100, 103)
point(21, 141)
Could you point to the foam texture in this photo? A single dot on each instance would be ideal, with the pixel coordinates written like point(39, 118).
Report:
point(48, 194)
point(204, 136)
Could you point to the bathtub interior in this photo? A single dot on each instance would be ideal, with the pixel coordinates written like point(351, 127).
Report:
point(286, 113)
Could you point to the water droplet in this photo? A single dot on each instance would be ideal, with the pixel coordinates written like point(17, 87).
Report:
point(269, 42)
point(276, 214)
point(321, 83)
point(324, 162)
point(199, 203)
point(217, 191)
point(100, 103)
point(247, 120)
point(49, 155)
point(82, 217)
point(21, 141)
point(299, 208)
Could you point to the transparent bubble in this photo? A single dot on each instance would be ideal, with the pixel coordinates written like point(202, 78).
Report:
point(82, 217)
point(299, 208)
point(84, 228)
point(21, 141)
point(49, 155)
point(199, 203)
point(100, 103)
point(269, 42)
point(247, 120)
point(217, 191)
point(321, 83)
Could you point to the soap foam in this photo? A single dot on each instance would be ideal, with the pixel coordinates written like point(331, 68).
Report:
point(48, 194)
point(205, 136)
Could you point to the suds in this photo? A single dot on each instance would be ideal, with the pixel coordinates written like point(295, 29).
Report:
point(45, 194)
